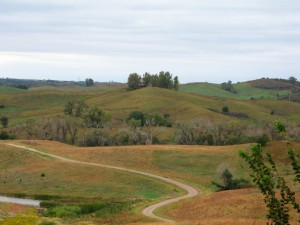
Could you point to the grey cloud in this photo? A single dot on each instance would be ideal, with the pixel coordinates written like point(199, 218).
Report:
point(192, 33)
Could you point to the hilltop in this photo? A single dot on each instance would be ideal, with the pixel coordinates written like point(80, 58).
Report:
point(256, 89)
point(23, 106)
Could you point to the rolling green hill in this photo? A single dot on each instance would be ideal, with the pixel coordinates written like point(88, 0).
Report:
point(29, 106)
point(10, 90)
point(245, 91)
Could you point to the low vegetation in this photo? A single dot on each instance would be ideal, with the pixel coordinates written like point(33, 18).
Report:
point(208, 130)
point(278, 196)
point(229, 183)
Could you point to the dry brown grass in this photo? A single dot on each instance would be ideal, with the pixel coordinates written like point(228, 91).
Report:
point(244, 206)
point(230, 207)
point(12, 209)
point(195, 165)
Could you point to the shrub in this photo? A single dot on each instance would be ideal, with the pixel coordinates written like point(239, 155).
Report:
point(263, 140)
point(4, 121)
point(225, 109)
point(4, 135)
point(49, 204)
point(111, 209)
point(228, 183)
point(137, 115)
point(66, 211)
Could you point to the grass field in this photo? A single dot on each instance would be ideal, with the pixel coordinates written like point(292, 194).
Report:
point(29, 174)
point(194, 165)
point(245, 91)
point(33, 105)
point(26, 174)
point(10, 90)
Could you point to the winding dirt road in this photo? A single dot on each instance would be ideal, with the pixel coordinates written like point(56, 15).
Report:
point(191, 192)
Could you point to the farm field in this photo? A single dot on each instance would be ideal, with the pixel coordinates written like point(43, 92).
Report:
point(193, 165)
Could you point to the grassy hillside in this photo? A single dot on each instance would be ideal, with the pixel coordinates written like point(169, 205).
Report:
point(245, 91)
point(24, 173)
point(184, 106)
point(30, 106)
point(77, 88)
point(194, 165)
point(10, 90)
point(32, 174)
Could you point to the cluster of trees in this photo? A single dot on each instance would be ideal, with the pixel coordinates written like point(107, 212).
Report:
point(162, 80)
point(63, 129)
point(293, 80)
point(67, 129)
point(92, 116)
point(140, 119)
point(206, 132)
point(89, 126)
point(21, 86)
point(227, 86)
point(89, 82)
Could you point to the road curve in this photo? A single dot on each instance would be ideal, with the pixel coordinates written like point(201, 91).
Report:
point(191, 192)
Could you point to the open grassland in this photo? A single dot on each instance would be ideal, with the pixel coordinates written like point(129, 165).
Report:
point(24, 173)
point(33, 174)
point(77, 88)
point(194, 165)
point(184, 106)
point(243, 206)
point(30, 106)
point(10, 90)
point(245, 91)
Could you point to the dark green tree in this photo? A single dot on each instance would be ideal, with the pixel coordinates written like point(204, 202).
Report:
point(137, 115)
point(89, 82)
point(228, 87)
point(147, 79)
point(134, 81)
point(176, 83)
point(165, 80)
point(75, 108)
point(229, 183)
point(293, 80)
point(96, 117)
point(225, 109)
point(4, 121)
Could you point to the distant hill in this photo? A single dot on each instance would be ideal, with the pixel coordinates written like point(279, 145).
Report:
point(250, 105)
point(256, 89)
point(35, 82)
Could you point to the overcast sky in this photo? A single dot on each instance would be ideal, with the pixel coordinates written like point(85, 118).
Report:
point(198, 40)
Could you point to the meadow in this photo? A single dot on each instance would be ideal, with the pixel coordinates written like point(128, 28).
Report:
point(29, 106)
point(24, 174)
point(193, 165)
point(245, 91)
point(83, 194)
